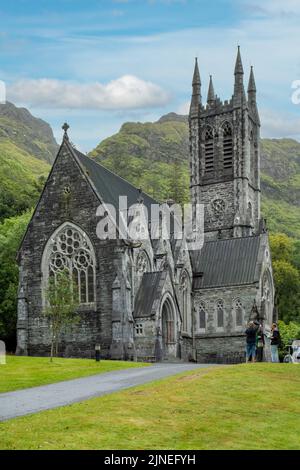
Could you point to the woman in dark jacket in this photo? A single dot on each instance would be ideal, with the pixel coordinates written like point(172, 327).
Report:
point(260, 343)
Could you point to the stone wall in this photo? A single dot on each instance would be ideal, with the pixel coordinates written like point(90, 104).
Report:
point(221, 349)
point(213, 221)
point(145, 342)
point(228, 341)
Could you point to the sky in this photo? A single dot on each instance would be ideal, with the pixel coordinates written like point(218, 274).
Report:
point(99, 63)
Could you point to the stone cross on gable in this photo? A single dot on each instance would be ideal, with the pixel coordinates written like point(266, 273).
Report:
point(140, 199)
point(65, 128)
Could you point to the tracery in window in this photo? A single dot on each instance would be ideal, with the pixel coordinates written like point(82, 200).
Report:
point(238, 313)
point(142, 263)
point(185, 289)
point(220, 314)
point(202, 316)
point(71, 250)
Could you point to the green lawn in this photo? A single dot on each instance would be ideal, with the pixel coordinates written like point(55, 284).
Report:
point(24, 372)
point(250, 406)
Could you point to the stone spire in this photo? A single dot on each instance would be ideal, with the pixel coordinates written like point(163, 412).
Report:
point(196, 96)
point(252, 95)
point(251, 85)
point(211, 97)
point(238, 64)
point(239, 90)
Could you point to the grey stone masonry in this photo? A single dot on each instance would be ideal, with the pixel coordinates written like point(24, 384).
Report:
point(55, 208)
point(224, 161)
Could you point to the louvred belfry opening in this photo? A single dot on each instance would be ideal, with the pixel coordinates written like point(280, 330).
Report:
point(209, 151)
point(227, 146)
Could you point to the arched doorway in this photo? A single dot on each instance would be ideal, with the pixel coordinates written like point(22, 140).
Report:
point(168, 320)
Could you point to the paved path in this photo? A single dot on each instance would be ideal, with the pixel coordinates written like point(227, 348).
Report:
point(33, 400)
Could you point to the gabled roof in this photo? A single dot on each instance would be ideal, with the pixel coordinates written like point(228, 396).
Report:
point(150, 289)
point(226, 262)
point(110, 186)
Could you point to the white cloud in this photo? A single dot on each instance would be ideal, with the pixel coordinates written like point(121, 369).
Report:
point(278, 124)
point(126, 92)
point(184, 108)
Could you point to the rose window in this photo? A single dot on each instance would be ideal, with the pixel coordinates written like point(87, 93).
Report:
point(72, 251)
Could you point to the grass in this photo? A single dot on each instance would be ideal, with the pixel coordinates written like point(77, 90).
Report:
point(254, 406)
point(25, 372)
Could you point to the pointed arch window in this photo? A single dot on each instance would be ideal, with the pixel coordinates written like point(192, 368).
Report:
point(209, 150)
point(70, 249)
point(227, 146)
point(202, 317)
point(220, 314)
point(238, 313)
point(184, 286)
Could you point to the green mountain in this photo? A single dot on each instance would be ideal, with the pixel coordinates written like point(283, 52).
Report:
point(154, 156)
point(27, 147)
point(27, 132)
point(280, 183)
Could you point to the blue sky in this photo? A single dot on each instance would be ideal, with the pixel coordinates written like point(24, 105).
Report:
point(97, 64)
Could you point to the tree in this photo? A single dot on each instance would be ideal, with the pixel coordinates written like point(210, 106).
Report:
point(282, 247)
point(61, 306)
point(11, 233)
point(287, 282)
point(296, 257)
point(286, 276)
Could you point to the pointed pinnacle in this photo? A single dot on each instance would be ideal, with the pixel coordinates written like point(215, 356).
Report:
point(238, 64)
point(211, 92)
point(251, 85)
point(196, 95)
point(196, 77)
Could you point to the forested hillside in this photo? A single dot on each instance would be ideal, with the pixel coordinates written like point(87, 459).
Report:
point(27, 148)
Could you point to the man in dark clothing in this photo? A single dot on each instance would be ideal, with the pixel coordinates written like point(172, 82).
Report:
point(251, 332)
point(275, 341)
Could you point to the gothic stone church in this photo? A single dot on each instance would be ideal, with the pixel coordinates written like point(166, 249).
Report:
point(157, 300)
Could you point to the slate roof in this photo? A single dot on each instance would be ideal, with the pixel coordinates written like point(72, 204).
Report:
point(110, 186)
point(226, 262)
point(149, 290)
point(107, 184)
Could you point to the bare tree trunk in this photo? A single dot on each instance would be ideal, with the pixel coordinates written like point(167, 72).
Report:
point(56, 346)
point(52, 348)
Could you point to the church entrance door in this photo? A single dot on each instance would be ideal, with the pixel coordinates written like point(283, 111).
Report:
point(168, 330)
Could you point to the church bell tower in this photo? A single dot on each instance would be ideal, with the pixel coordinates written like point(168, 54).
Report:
point(225, 157)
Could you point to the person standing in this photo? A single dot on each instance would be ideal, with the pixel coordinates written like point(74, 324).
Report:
point(251, 332)
point(275, 341)
point(260, 343)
